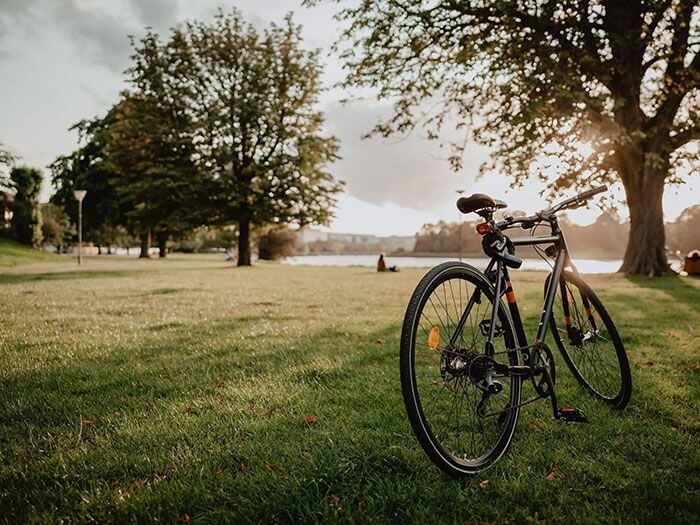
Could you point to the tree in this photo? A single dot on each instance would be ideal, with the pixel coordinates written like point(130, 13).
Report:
point(275, 243)
point(55, 224)
point(86, 169)
point(26, 215)
point(157, 182)
point(258, 135)
point(684, 233)
point(608, 90)
point(6, 160)
point(151, 146)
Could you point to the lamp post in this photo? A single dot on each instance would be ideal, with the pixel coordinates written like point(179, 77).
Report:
point(459, 225)
point(80, 195)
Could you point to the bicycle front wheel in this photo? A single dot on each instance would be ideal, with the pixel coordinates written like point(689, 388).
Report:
point(444, 370)
point(590, 343)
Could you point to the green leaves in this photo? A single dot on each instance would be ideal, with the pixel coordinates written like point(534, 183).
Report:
point(528, 75)
point(219, 126)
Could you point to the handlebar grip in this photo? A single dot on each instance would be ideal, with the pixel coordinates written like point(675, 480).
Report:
point(590, 193)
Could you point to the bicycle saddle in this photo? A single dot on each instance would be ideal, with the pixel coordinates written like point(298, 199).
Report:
point(478, 201)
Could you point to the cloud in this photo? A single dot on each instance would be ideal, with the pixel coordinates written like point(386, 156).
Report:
point(158, 14)
point(98, 30)
point(14, 14)
point(410, 172)
point(100, 34)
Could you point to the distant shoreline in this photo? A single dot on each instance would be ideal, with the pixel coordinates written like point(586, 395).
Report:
point(455, 255)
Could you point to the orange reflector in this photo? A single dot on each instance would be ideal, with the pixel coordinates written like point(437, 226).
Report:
point(567, 319)
point(509, 292)
point(434, 338)
point(483, 228)
point(588, 311)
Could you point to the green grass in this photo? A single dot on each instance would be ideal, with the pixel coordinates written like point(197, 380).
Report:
point(140, 390)
point(15, 254)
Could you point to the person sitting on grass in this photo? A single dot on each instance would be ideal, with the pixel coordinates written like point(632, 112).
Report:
point(382, 267)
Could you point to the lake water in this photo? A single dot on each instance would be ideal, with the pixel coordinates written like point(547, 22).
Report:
point(584, 265)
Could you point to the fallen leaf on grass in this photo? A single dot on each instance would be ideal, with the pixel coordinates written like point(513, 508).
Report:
point(484, 484)
point(274, 466)
point(262, 413)
point(137, 484)
point(185, 518)
point(553, 474)
point(334, 501)
point(673, 334)
point(88, 422)
point(220, 470)
point(310, 421)
point(380, 341)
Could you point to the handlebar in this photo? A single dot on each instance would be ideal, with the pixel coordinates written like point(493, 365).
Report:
point(578, 200)
point(545, 215)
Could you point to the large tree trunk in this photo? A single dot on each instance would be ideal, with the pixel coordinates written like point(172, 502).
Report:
point(244, 242)
point(646, 246)
point(145, 245)
point(162, 242)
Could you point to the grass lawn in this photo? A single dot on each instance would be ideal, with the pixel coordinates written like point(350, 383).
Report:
point(15, 254)
point(190, 390)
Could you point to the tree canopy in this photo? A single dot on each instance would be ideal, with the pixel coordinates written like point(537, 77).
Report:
point(86, 169)
point(26, 215)
point(252, 99)
point(593, 91)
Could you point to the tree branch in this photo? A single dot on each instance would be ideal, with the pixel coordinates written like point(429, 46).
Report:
point(685, 136)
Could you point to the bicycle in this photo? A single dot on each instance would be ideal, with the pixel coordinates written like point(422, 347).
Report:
point(459, 362)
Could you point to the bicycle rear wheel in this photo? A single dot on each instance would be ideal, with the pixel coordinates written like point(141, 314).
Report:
point(443, 374)
point(590, 343)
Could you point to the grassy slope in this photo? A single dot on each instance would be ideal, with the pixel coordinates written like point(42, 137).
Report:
point(159, 389)
point(15, 254)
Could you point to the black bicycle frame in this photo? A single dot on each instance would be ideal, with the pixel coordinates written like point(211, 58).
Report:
point(498, 273)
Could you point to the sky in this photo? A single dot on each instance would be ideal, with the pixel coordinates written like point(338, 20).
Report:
point(63, 60)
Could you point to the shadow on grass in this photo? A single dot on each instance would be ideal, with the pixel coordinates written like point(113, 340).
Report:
point(680, 289)
point(210, 425)
point(19, 278)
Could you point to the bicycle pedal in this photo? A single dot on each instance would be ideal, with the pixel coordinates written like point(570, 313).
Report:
point(572, 414)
